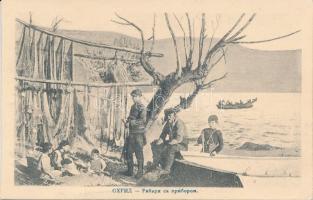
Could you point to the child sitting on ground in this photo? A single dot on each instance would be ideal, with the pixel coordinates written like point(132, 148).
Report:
point(211, 138)
point(63, 159)
point(97, 165)
point(44, 164)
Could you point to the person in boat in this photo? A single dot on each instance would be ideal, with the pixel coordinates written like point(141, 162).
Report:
point(221, 102)
point(172, 140)
point(136, 139)
point(211, 138)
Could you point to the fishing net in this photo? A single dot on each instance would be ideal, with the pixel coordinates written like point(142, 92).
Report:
point(52, 112)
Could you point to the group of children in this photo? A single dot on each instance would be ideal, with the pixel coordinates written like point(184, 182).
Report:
point(60, 161)
point(57, 162)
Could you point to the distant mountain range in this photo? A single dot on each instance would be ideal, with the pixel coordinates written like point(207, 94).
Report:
point(249, 70)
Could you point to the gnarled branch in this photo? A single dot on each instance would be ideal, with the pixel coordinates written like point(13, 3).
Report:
point(242, 28)
point(185, 40)
point(129, 23)
point(220, 43)
point(186, 102)
point(55, 24)
point(202, 38)
point(144, 58)
point(178, 67)
point(153, 35)
point(191, 44)
point(267, 40)
point(210, 83)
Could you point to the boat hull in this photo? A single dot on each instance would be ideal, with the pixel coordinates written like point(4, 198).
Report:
point(249, 166)
point(237, 105)
point(201, 170)
point(234, 106)
point(188, 174)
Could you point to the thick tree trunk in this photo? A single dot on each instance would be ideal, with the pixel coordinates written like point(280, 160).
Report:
point(157, 103)
point(161, 97)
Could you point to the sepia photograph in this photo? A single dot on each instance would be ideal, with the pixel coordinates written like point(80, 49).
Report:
point(140, 100)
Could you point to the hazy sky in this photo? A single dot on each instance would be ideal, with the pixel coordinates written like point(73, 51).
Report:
point(97, 15)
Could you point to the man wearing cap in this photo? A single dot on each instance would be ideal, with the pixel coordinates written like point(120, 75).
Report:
point(211, 138)
point(173, 139)
point(136, 139)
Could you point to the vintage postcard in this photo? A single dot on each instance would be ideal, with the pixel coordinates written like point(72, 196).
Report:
point(139, 99)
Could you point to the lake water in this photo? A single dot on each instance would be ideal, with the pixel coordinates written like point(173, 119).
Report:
point(274, 118)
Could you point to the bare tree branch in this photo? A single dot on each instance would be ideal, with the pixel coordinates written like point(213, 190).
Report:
point(202, 72)
point(127, 22)
point(186, 102)
point(236, 39)
point(201, 38)
point(222, 40)
point(193, 37)
point(218, 60)
point(178, 69)
point(224, 54)
point(30, 18)
point(210, 83)
point(232, 28)
point(191, 40)
point(242, 28)
point(144, 58)
point(185, 39)
point(190, 33)
point(212, 37)
point(121, 23)
point(56, 23)
point(153, 34)
point(214, 30)
point(267, 40)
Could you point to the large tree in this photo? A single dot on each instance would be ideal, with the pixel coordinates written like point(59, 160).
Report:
point(188, 71)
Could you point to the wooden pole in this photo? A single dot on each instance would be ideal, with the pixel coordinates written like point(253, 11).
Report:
point(85, 42)
point(104, 58)
point(21, 45)
point(76, 83)
point(71, 61)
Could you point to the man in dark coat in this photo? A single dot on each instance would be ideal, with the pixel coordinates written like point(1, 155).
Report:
point(211, 138)
point(173, 139)
point(136, 139)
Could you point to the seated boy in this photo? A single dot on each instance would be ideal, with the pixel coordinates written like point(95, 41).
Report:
point(211, 138)
point(44, 164)
point(62, 159)
point(96, 165)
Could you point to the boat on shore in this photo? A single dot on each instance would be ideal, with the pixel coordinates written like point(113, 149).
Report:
point(201, 170)
point(248, 166)
point(237, 105)
point(236, 171)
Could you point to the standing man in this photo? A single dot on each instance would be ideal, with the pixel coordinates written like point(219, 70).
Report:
point(136, 139)
point(173, 139)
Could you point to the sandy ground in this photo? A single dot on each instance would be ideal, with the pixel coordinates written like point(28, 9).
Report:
point(113, 176)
